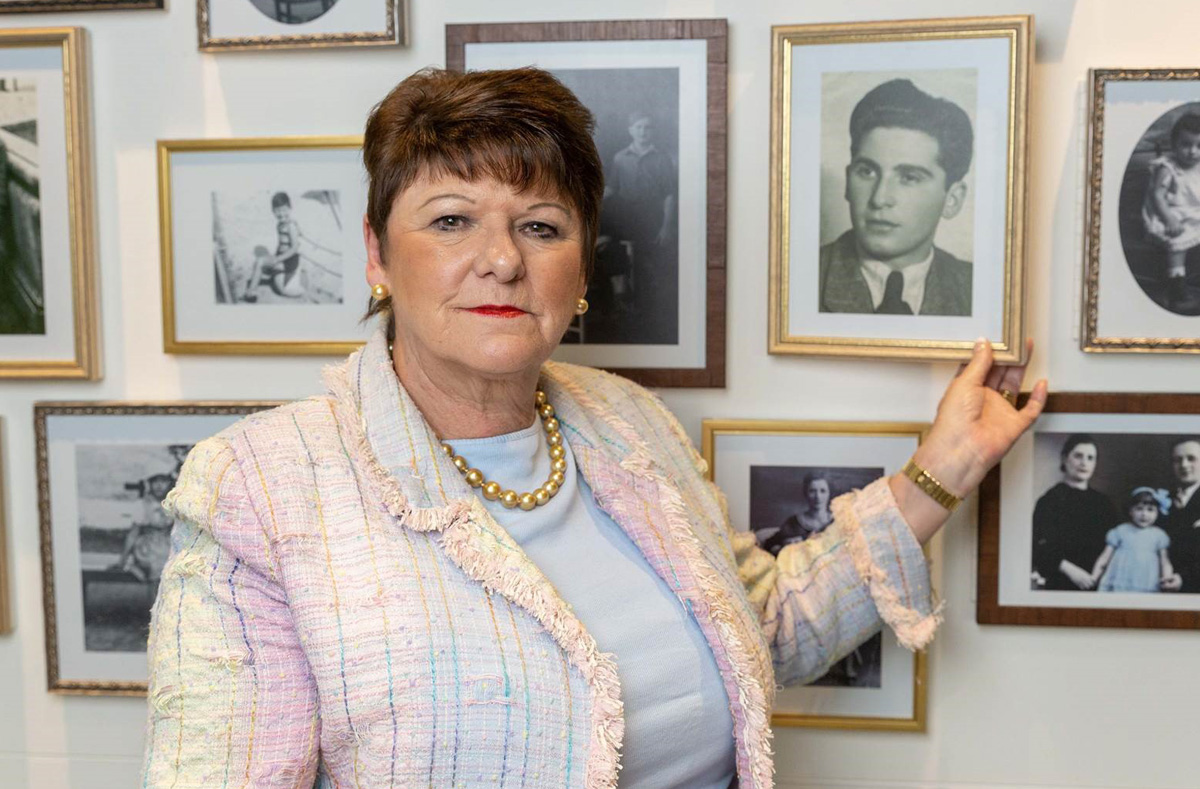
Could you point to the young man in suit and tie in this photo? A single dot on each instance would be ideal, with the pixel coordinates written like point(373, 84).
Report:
point(1183, 521)
point(909, 154)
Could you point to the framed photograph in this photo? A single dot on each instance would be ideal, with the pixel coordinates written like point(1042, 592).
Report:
point(658, 92)
point(1093, 518)
point(6, 624)
point(898, 188)
point(1141, 284)
point(779, 478)
point(262, 250)
point(37, 6)
point(48, 296)
point(228, 25)
point(103, 471)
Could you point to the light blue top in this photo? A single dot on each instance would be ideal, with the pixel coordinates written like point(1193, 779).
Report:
point(678, 727)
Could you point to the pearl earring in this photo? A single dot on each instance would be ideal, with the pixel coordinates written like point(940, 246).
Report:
point(379, 292)
point(581, 306)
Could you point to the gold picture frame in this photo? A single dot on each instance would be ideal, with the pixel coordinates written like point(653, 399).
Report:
point(1134, 248)
point(80, 252)
point(943, 334)
point(72, 641)
point(900, 704)
point(393, 33)
point(173, 339)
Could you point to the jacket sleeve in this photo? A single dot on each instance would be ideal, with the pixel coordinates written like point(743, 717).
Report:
point(232, 700)
point(821, 598)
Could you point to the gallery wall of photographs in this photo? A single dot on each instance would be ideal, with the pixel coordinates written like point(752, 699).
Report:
point(811, 215)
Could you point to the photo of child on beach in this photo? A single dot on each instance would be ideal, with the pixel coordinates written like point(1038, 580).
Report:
point(277, 247)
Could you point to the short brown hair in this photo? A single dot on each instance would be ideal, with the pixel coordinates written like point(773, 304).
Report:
point(520, 126)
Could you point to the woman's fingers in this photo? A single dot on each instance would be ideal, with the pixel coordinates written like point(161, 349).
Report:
point(1010, 379)
point(995, 376)
point(976, 370)
point(1036, 402)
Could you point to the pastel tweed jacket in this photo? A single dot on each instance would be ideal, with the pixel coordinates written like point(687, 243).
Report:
point(339, 607)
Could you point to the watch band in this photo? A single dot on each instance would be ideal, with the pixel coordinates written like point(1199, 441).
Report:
point(930, 485)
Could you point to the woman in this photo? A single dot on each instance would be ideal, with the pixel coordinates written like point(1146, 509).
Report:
point(799, 526)
point(467, 566)
point(1070, 521)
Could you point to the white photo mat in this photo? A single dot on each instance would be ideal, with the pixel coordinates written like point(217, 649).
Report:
point(734, 456)
point(689, 56)
point(990, 58)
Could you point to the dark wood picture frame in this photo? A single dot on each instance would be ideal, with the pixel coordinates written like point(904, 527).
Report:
point(715, 33)
point(56, 682)
point(988, 609)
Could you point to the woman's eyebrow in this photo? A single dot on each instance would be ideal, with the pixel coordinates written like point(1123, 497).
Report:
point(549, 204)
point(449, 195)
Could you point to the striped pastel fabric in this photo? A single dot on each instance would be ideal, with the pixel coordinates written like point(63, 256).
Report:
point(339, 608)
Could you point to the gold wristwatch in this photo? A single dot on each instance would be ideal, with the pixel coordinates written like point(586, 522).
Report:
point(930, 485)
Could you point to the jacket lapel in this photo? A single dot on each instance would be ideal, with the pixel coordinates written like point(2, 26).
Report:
point(421, 488)
point(643, 499)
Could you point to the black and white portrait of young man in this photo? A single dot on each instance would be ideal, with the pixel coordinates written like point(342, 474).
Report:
point(896, 238)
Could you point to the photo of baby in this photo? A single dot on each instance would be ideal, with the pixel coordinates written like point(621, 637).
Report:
point(1160, 210)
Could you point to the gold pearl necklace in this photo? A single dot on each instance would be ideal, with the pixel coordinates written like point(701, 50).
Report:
point(493, 491)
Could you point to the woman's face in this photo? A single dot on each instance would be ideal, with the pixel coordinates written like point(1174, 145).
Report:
point(817, 494)
point(483, 278)
point(1080, 463)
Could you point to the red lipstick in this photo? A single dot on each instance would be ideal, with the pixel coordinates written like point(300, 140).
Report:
point(498, 311)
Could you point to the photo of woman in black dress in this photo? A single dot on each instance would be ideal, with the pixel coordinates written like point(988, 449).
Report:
point(1070, 521)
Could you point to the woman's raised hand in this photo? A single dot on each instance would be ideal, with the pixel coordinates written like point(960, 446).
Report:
point(974, 428)
point(975, 425)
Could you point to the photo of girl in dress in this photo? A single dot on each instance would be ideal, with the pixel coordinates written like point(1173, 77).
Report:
point(1160, 210)
point(1135, 557)
point(789, 504)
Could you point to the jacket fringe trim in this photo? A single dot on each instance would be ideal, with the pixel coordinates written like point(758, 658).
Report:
point(746, 676)
point(914, 629)
point(469, 541)
point(755, 762)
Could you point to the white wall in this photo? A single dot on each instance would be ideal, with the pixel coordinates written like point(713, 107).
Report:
point(1008, 706)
